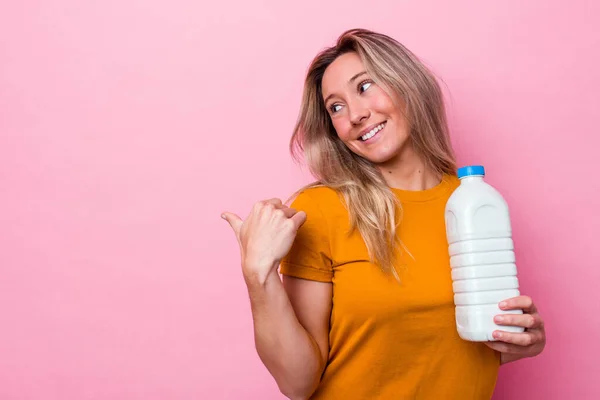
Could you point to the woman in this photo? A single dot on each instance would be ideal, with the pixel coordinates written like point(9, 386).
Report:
point(364, 309)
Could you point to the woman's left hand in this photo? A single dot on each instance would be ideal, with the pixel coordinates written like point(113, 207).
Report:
point(514, 346)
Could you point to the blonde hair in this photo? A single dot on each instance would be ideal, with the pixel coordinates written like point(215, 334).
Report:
point(373, 208)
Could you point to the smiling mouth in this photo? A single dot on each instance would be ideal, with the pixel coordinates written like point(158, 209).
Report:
point(373, 132)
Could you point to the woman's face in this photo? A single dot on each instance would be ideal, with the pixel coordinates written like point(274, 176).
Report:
point(363, 114)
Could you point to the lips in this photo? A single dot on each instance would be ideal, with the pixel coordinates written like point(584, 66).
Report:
point(371, 131)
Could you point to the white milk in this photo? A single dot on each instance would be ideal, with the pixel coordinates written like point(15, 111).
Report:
point(481, 255)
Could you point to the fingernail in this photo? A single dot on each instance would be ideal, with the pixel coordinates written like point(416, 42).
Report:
point(499, 318)
point(223, 216)
point(503, 304)
point(498, 335)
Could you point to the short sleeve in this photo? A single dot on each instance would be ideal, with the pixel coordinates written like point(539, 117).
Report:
point(310, 255)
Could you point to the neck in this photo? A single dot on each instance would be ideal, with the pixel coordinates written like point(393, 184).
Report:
point(408, 171)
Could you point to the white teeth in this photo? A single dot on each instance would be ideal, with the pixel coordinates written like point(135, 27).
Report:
point(372, 132)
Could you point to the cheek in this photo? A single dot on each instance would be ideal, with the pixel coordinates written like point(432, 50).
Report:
point(342, 128)
point(382, 102)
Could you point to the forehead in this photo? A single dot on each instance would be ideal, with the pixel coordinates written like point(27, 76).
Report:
point(339, 72)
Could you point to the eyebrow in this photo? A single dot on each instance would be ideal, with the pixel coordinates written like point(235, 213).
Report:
point(350, 81)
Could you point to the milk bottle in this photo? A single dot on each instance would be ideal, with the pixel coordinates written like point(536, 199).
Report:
point(482, 255)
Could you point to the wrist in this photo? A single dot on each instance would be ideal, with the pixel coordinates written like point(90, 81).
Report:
point(257, 274)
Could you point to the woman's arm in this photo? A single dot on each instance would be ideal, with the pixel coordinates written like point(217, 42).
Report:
point(291, 331)
point(291, 321)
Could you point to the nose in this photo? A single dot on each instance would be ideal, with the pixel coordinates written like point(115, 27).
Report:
point(359, 113)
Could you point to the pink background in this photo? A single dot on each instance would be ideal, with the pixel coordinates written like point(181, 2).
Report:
point(127, 126)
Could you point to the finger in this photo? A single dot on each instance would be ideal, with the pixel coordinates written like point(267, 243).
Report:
point(299, 218)
point(529, 321)
point(524, 303)
point(275, 201)
point(527, 338)
point(289, 212)
point(234, 221)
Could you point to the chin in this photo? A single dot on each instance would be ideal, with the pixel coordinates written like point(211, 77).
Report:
point(381, 157)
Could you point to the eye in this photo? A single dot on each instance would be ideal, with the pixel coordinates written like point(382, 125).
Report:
point(334, 108)
point(364, 85)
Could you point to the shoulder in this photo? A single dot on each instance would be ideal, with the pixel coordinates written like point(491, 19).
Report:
point(324, 207)
point(452, 180)
point(317, 197)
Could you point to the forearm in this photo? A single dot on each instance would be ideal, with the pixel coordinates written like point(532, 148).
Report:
point(288, 351)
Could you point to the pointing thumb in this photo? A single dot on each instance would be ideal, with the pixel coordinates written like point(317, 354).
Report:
point(234, 221)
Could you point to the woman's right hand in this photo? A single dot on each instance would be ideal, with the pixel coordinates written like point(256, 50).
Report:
point(265, 236)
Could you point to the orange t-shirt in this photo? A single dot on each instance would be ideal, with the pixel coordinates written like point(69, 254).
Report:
point(390, 339)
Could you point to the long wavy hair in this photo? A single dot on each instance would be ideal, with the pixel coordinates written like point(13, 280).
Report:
point(373, 208)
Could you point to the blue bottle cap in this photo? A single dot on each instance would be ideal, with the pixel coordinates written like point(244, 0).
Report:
point(471, 170)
